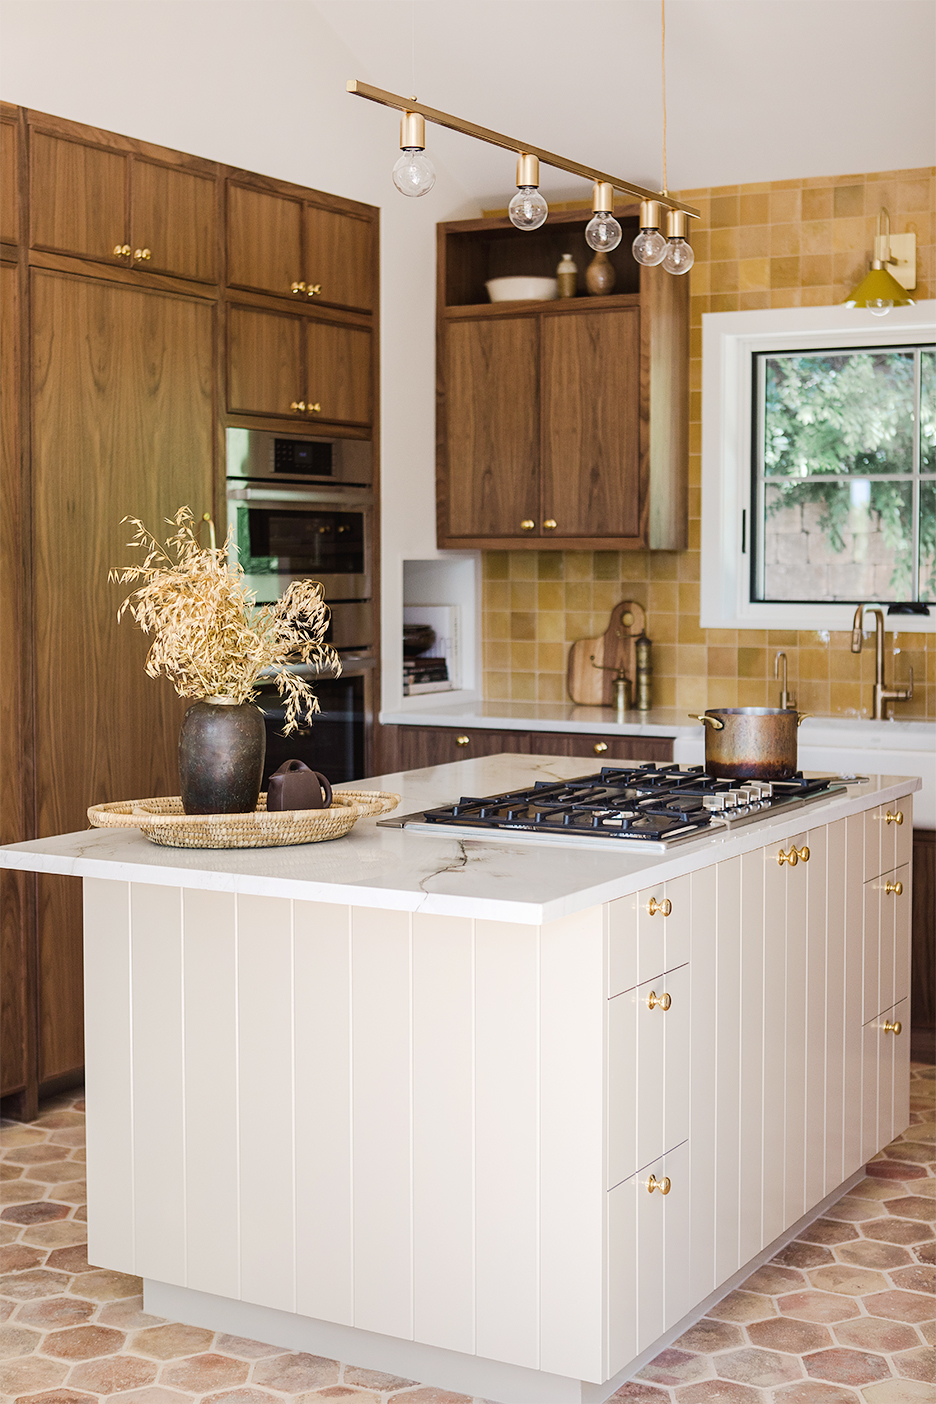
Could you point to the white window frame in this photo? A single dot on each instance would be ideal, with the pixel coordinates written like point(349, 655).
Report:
point(729, 342)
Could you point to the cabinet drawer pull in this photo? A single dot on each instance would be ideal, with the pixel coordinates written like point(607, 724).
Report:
point(894, 1028)
point(139, 254)
point(313, 289)
point(664, 907)
point(462, 740)
point(298, 406)
point(792, 857)
point(663, 1185)
point(314, 409)
point(894, 818)
point(550, 524)
point(297, 287)
point(662, 1001)
point(527, 524)
point(121, 250)
point(600, 747)
point(894, 888)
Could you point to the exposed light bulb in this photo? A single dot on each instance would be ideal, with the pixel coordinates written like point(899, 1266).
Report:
point(879, 307)
point(413, 173)
point(678, 257)
point(602, 232)
point(650, 245)
point(527, 209)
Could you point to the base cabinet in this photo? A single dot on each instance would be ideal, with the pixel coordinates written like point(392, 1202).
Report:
point(409, 747)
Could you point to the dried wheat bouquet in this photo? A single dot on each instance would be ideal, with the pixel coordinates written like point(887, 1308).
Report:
point(209, 637)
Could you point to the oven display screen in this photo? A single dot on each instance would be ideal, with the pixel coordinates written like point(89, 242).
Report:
point(307, 542)
point(309, 459)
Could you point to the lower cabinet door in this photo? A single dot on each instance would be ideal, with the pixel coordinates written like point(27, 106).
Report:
point(885, 1078)
point(649, 1072)
point(648, 1250)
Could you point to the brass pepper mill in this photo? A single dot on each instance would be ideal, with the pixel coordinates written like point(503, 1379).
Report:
point(644, 671)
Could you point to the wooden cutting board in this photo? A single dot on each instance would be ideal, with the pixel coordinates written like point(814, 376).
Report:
point(591, 683)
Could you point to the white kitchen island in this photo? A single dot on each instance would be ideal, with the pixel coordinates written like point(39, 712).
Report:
point(413, 1101)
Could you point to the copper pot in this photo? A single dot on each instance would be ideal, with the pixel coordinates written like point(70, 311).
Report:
point(750, 743)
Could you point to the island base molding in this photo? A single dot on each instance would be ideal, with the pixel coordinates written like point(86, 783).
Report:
point(444, 1369)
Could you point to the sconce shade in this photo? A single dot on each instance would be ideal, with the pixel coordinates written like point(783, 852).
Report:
point(878, 286)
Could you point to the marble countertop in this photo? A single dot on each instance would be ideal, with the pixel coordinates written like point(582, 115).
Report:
point(547, 716)
point(510, 880)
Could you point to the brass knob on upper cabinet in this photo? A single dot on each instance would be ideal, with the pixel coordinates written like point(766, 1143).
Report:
point(297, 288)
point(314, 409)
point(298, 406)
point(663, 1185)
point(894, 1028)
point(121, 250)
point(140, 254)
point(894, 818)
point(600, 747)
point(550, 524)
point(792, 857)
point(804, 854)
point(313, 289)
point(462, 740)
point(664, 907)
point(527, 524)
point(894, 888)
point(662, 1001)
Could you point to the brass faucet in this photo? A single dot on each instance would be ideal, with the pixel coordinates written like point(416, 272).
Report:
point(882, 693)
point(787, 700)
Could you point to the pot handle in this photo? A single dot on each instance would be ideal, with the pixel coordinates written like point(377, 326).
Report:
point(801, 717)
point(712, 721)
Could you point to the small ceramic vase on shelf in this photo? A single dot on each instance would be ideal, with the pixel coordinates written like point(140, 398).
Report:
point(222, 746)
point(567, 276)
point(600, 276)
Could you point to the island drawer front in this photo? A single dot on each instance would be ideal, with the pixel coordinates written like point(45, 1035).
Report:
point(648, 1033)
point(645, 937)
point(885, 1077)
point(888, 903)
point(888, 841)
point(648, 1234)
point(604, 749)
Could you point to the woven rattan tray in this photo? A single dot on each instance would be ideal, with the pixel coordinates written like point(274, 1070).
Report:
point(164, 821)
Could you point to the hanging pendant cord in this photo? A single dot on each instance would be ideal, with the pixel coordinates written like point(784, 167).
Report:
point(663, 66)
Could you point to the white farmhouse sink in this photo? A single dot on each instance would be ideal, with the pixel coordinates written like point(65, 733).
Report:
point(852, 746)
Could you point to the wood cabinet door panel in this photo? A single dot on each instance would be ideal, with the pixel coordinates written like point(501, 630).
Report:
point(339, 255)
point(903, 911)
point(338, 375)
point(603, 749)
point(122, 423)
point(492, 426)
point(794, 1127)
point(437, 745)
point(78, 198)
point(173, 215)
point(264, 240)
point(265, 370)
point(9, 181)
point(590, 391)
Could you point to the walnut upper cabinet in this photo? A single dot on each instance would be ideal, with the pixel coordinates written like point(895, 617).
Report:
point(122, 202)
point(291, 246)
point(297, 367)
point(564, 423)
point(9, 181)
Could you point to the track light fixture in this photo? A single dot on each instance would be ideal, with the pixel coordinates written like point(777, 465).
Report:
point(527, 209)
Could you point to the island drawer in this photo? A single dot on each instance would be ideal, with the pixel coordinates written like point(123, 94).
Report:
point(648, 932)
point(888, 836)
point(648, 1072)
point(886, 961)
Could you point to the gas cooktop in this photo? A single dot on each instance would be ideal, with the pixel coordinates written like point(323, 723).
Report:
point(646, 804)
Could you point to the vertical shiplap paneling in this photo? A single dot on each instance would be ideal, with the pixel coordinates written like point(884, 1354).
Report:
point(889, 833)
point(728, 1072)
point(702, 969)
point(677, 1298)
point(158, 1091)
point(891, 908)
point(572, 1198)
point(322, 1015)
point(836, 998)
point(507, 1141)
point(794, 1169)
point(900, 1118)
point(650, 1254)
point(775, 938)
point(751, 1021)
point(870, 1070)
point(381, 1034)
point(854, 993)
point(649, 1071)
point(676, 1024)
point(443, 1132)
point(622, 1086)
point(678, 924)
point(622, 1275)
point(108, 1070)
point(209, 960)
point(903, 908)
point(817, 896)
point(265, 1100)
point(875, 830)
point(622, 944)
point(651, 934)
point(874, 914)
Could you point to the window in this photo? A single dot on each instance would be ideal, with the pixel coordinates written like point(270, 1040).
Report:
point(819, 467)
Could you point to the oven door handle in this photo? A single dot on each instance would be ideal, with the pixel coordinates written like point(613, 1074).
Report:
point(348, 497)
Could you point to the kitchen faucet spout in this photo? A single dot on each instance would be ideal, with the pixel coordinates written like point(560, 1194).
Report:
point(882, 693)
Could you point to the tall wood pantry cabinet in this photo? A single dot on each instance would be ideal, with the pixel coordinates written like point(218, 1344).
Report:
point(149, 300)
point(560, 423)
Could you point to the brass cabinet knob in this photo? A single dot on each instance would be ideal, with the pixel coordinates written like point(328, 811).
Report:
point(314, 409)
point(462, 740)
point(894, 818)
point(527, 524)
point(894, 888)
point(297, 288)
point(550, 524)
point(600, 747)
point(121, 250)
point(662, 1001)
point(664, 907)
point(804, 854)
point(894, 1028)
point(663, 1185)
point(792, 857)
point(140, 254)
point(313, 289)
point(298, 406)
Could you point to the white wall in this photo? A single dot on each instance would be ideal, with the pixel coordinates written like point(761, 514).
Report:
point(262, 86)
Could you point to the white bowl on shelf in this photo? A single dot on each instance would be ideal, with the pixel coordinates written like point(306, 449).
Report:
point(522, 289)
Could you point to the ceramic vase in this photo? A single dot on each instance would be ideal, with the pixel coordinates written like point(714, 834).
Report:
point(600, 276)
point(221, 750)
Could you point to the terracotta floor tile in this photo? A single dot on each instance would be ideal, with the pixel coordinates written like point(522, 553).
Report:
point(865, 1253)
point(129, 1314)
point(787, 1334)
point(13, 1135)
point(895, 1170)
point(900, 1306)
point(58, 1120)
point(340, 1391)
point(743, 1306)
point(875, 1333)
point(17, 1257)
point(30, 1373)
point(17, 1340)
point(763, 1368)
point(20, 1191)
point(245, 1349)
point(774, 1281)
point(113, 1375)
point(927, 1330)
point(897, 1231)
point(6, 1308)
point(719, 1392)
point(635, 1392)
point(917, 1151)
point(918, 1364)
point(818, 1306)
point(73, 1259)
point(854, 1209)
point(675, 1367)
point(899, 1392)
point(872, 1189)
point(918, 1278)
point(171, 1341)
point(33, 1154)
point(152, 1394)
point(83, 1342)
point(102, 1285)
point(9, 1233)
point(803, 1255)
point(374, 1379)
point(848, 1367)
point(203, 1374)
point(58, 1396)
point(38, 1212)
point(815, 1392)
point(846, 1279)
point(296, 1372)
point(925, 1252)
point(827, 1231)
point(26, 1286)
point(706, 1336)
point(9, 1171)
point(52, 1312)
point(431, 1396)
point(912, 1207)
point(247, 1395)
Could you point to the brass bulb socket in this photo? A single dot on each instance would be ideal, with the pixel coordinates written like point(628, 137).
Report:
point(677, 224)
point(527, 170)
point(412, 131)
point(651, 214)
point(602, 197)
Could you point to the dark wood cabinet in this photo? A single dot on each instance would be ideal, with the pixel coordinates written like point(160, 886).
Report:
point(561, 423)
point(602, 749)
point(9, 174)
point(410, 747)
point(78, 198)
point(282, 242)
point(295, 366)
point(173, 216)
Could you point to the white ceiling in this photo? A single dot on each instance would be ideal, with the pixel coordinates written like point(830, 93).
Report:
point(757, 90)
